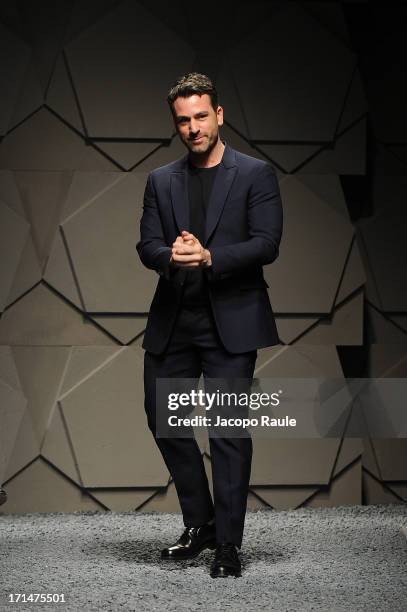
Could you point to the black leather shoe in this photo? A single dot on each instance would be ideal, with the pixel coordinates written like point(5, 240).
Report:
point(191, 543)
point(3, 496)
point(226, 562)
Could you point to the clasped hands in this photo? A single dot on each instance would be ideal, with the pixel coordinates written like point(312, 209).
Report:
point(188, 252)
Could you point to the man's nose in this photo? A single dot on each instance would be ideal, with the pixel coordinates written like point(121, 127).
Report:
point(193, 128)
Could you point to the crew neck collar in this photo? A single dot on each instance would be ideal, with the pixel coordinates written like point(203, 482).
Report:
point(198, 168)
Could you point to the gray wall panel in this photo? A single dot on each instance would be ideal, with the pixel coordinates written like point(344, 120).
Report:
point(83, 120)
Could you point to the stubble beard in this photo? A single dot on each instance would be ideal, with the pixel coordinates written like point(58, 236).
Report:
point(203, 149)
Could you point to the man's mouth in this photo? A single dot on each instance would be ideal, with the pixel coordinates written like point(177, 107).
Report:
point(196, 139)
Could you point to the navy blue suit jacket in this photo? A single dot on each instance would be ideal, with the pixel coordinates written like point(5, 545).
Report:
point(243, 232)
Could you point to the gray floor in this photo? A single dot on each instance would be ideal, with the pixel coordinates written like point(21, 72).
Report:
point(330, 559)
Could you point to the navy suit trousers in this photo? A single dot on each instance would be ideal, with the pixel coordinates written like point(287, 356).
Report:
point(194, 349)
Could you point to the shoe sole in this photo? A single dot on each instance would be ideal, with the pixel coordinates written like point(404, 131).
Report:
point(208, 545)
point(223, 574)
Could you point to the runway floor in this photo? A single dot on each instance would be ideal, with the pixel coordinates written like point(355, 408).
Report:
point(349, 558)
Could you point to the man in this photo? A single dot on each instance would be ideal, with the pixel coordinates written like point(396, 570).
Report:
point(210, 221)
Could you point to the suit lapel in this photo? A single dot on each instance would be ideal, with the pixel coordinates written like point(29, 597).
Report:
point(179, 199)
point(221, 187)
point(220, 190)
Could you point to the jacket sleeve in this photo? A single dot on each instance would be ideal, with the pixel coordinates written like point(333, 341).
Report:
point(265, 220)
point(152, 247)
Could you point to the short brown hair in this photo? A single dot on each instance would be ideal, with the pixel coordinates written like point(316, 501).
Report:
point(190, 84)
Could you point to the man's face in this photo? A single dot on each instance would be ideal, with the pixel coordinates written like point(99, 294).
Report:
point(197, 122)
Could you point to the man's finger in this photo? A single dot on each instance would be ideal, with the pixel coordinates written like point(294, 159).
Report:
point(178, 240)
point(180, 262)
point(186, 258)
point(188, 236)
point(192, 264)
point(186, 249)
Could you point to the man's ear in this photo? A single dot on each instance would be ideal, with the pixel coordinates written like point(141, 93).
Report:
point(219, 115)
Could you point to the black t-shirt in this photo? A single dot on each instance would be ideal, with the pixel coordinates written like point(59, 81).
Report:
point(200, 183)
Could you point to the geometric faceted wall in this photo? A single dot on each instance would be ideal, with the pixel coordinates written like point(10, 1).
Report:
point(83, 120)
